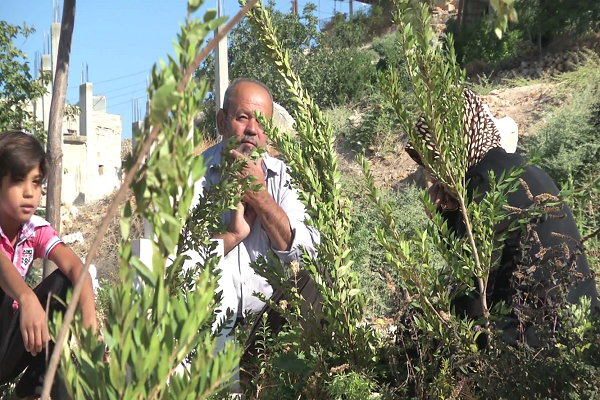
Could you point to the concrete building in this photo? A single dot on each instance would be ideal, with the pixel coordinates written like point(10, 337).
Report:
point(91, 140)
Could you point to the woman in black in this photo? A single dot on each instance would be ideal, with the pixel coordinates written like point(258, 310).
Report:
point(486, 155)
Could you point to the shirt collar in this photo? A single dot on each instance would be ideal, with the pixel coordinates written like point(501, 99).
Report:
point(28, 228)
point(213, 159)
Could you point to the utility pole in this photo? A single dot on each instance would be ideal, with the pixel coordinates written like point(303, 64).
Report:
point(295, 7)
point(221, 64)
point(350, 1)
point(57, 106)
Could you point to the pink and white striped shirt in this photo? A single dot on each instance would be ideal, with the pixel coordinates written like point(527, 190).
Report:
point(36, 240)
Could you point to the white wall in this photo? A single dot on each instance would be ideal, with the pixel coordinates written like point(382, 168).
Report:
point(74, 162)
point(106, 165)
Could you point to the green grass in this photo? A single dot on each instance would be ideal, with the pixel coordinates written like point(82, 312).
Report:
point(368, 255)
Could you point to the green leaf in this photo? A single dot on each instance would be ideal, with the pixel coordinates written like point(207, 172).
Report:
point(194, 5)
point(162, 101)
point(210, 15)
point(145, 273)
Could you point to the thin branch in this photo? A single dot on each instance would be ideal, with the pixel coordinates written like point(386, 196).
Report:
point(480, 282)
point(114, 207)
point(591, 235)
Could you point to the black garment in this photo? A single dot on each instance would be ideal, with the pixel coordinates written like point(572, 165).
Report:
point(13, 356)
point(499, 288)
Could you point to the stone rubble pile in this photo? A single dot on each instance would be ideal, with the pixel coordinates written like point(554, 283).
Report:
point(550, 64)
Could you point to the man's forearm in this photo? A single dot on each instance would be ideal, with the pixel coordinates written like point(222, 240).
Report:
point(275, 222)
point(230, 241)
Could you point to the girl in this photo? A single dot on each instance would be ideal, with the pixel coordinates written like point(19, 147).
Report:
point(23, 238)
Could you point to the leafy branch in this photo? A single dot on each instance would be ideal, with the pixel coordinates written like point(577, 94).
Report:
point(167, 94)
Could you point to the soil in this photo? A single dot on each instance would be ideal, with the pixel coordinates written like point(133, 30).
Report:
point(524, 104)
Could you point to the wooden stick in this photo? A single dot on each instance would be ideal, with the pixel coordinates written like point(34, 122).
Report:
point(57, 106)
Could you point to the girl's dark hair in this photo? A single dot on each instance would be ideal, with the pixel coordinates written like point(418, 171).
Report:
point(19, 154)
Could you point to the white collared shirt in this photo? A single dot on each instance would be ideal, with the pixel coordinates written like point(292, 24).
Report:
point(239, 281)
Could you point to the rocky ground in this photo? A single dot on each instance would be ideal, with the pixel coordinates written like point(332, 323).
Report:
point(524, 104)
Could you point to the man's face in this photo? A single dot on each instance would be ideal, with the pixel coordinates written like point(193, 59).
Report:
point(240, 121)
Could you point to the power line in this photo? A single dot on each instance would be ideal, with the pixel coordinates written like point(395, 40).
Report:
point(121, 88)
point(115, 79)
point(125, 102)
point(111, 91)
point(122, 77)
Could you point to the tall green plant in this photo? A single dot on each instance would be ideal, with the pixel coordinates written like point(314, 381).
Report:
point(340, 338)
point(152, 331)
point(443, 349)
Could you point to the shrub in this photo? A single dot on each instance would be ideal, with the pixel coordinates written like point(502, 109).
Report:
point(150, 332)
point(569, 143)
point(433, 353)
point(373, 270)
point(543, 20)
point(478, 42)
point(331, 67)
point(386, 48)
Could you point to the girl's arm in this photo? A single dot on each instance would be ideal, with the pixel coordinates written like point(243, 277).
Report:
point(33, 317)
point(70, 265)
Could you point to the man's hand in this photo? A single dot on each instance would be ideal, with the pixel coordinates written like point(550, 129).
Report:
point(255, 169)
point(241, 221)
point(33, 324)
point(441, 198)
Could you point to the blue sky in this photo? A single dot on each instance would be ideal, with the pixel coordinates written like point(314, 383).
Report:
point(120, 40)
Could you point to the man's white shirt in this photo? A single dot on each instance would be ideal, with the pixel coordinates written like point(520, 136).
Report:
point(239, 281)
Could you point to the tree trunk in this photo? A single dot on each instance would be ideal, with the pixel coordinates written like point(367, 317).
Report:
point(57, 106)
point(460, 15)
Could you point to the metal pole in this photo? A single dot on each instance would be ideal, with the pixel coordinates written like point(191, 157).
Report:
point(221, 67)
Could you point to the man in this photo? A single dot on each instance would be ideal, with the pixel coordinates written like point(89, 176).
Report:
point(272, 219)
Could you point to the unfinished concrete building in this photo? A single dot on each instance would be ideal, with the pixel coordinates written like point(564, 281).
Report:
point(91, 140)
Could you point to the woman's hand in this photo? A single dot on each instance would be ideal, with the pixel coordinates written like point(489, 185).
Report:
point(440, 197)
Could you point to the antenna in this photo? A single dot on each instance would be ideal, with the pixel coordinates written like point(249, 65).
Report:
point(87, 72)
point(82, 74)
point(56, 11)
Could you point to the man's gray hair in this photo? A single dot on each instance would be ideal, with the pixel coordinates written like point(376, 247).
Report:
point(231, 88)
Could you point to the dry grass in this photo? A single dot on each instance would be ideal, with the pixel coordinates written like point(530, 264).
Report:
point(87, 222)
point(89, 218)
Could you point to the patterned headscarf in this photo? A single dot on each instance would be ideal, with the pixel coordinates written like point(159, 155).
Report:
point(482, 133)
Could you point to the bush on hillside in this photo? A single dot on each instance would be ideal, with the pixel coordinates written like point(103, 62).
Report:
point(478, 42)
point(330, 65)
point(369, 257)
point(569, 143)
point(378, 127)
point(543, 20)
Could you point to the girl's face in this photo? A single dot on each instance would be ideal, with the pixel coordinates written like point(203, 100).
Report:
point(19, 199)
